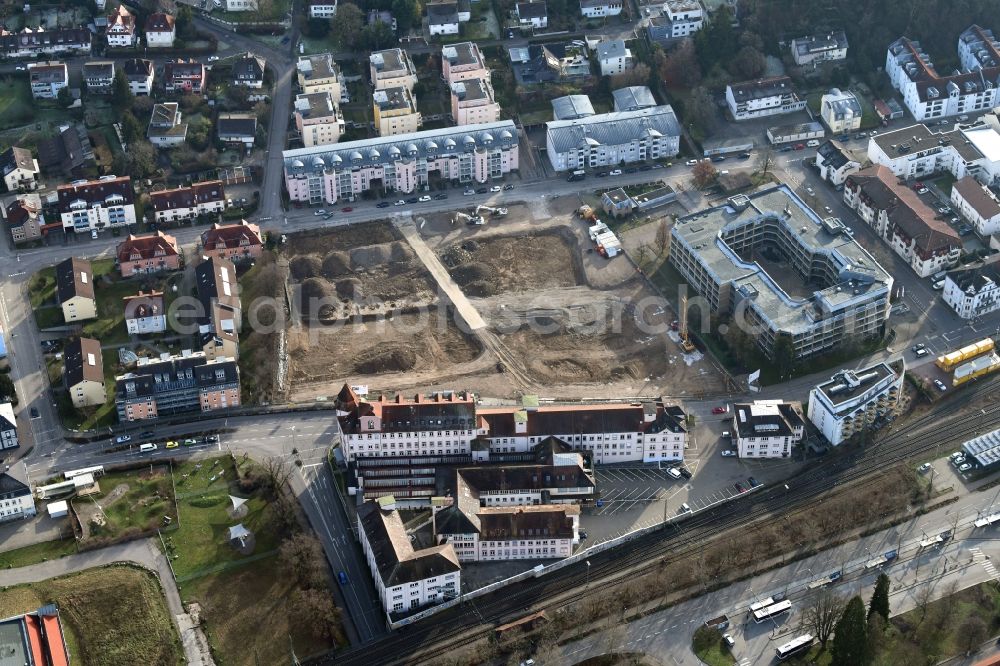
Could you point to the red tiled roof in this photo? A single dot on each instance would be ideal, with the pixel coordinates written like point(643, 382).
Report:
point(231, 235)
point(160, 22)
point(188, 197)
point(146, 246)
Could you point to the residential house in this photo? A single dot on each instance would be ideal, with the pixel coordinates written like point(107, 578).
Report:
point(19, 169)
point(40, 42)
point(973, 292)
point(613, 57)
point(165, 127)
point(236, 242)
point(318, 119)
point(600, 8)
point(121, 32)
point(160, 31)
point(609, 139)
point(392, 68)
point(406, 579)
point(910, 228)
point(856, 401)
point(472, 102)
point(148, 254)
point(685, 17)
point(977, 204)
point(541, 63)
point(322, 8)
point(248, 71)
point(36, 638)
point(207, 197)
point(319, 73)
point(767, 428)
point(8, 428)
point(972, 88)
point(237, 128)
point(139, 72)
point(186, 76)
point(83, 372)
point(571, 107)
point(401, 163)
point(822, 47)
point(395, 111)
point(840, 111)
point(241, 5)
point(215, 280)
point(835, 163)
point(463, 61)
point(47, 78)
point(24, 218)
point(99, 76)
point(617, 203)
point(633, 98)
point(17, 501)
point(75, 290)
point(68, 152)
point(218, 333)
point(145, 313)
point(177, 384)
point(917, 151)
point(442, 18)
point(763, 97)
point(88, 205)
point(532, 14)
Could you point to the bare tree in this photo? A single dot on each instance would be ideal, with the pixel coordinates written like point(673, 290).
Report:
point(302, 555)
point(765, 160)
point(973, 631)
point(276, 474)
point(923, 597)
point(316, 611)
point(822, 614)
point(662, 241)
point(704, 173)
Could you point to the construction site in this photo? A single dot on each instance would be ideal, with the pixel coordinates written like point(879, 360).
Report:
point(498, 301)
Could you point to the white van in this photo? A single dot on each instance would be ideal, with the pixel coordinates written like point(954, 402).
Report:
point(673, 472)
point(147, 448)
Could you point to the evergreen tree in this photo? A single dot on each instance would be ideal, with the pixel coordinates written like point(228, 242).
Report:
point(880, 598)
point(121, 95)
point(850, 638)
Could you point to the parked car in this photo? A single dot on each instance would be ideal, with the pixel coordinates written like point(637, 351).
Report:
point(940, 385)
point(495, 188)
point(753, 482)
point(744, 155)
point(726, 434)
point(728, 453)
point(34, 413)
point(685, 472)
point(413, 200)
point(646, 167)
point(121, 439)
point(829, 211)
point(342, 577)
point(399, 203)
point(956, 456)
point(922, 190)
point(674, 474)
point(508, 186)
point(320, 212)
point(739, 487)
point(692, 162)
point(719, 158)
point(615, 172)
point(468, 192)
point(923, 469)
point(685, 508)
point(213, 58)
point(965, 467)
point(172, 444)
point(799, 146)
point(190, 441)
point(730, 643)
point(383, 204)
point(785, 149)
point(346, 209)
point(482, 190)
point(441, 196)
point(425, 198)
point(719, 410)
point(861, 135)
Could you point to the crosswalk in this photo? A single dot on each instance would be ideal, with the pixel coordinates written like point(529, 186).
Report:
point(979, 556)
point(745, 661)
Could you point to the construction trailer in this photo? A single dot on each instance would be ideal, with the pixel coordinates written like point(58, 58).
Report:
point(955, 358)
point(977, 367)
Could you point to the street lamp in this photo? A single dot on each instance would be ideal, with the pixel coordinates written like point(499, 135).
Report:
point(588, 574)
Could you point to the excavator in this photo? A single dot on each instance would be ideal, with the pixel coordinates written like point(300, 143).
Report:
point(495, 212)
point(686, 343)
point(468, 219)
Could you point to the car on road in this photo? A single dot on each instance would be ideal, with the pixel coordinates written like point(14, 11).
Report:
point(674, 474)
point(482, 190)
point(719, 158)
point(615, 172)
point(342, 577)
point(320, 212)
point(964, 467)
point(399, 203)
point(508, 186)
point(923, 190)
point(468, 192)
point(510, 34)
point(413, 200)
point(121, 439)
point(785, 149)
point(601, 174)
point(146, 433)
point(692, 162)
point(923, 469)
point(920, 353)
point(944, 210)
point(212, 439)
point(20, 68)
point(646, 167)
point(720, 410)
point(190, 441)
point(728, 453)
point(383, 204)
point(495, 188)
point(93, 234)
point(34, 413)
point(964, 230)
point(441, 196)
point(810, 191)
point(730, 643)
point(829, 211)
point(172, 444)
point(346, 209)
point(726, 434)
point(425, 198)
point(940, 385)
point(744, 156)
point(213, 58)
point(799, 146)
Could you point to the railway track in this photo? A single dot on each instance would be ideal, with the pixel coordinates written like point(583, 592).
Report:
point(460, 626)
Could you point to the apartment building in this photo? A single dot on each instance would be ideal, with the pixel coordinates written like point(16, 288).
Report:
point(25, 219)
point(856, 401)
point(532, 14)
point(613, 57)
point(318, 119)
point(685, 17)
point(823, 47)
point(406, 579)
point(220, 315)
point(40, 42)
point(160, 31)
point(19, 169)
point(150, 253)
point(176, 384)
point(910, 228)
point(395, 111)
point(763, 97)
point(207, 197)
point(319, 73)
point(98, 76)
point(88, 205)
point(165, 127)
point(974, 291)
point(767, 428)
point(610, 139)
point(139, 73)
point(121, 31)
point(75, 290)
point(715, 251)
point(463, 61)
point(472, 102)
point(977, 204)
point(239, 241)
point(401, 163)
point(840, 111)
point(392, 68)
point(184, 76)
point(47, 78)
point(16, 501)
point(917, 151)
point(484, 534)
point(323, 9)
point(633, 98)
point(145, 313)
point(83, 372)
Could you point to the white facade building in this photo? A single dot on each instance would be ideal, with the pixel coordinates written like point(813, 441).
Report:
point(835, 163)
point(767, 428)
point(121, 32)
point(856, 400)
point(47, 78)
point(973, 292)
point(320, 73)
point(406, 579)
point(613, 57)
point(608, 139)
point(8, 427)
point(977, 203)
point(484, 534)
point(322, 8)
point(840, 111)
point(763, 97)
point(600, 8)
point(532, 14)
point(88, 205)
point(145, 313)
point(686, 17)
point(823, 47)
point(16, 500)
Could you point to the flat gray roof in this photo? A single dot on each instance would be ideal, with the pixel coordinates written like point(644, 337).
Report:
point(848, 384)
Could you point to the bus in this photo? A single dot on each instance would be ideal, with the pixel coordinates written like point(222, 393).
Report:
point(760, 605)
point(771, 611)
point(794, 647)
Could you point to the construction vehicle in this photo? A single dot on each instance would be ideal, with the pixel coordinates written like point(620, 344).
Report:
point(587, 213)
point(468, 219)
point(494, 211)
point(686, 343)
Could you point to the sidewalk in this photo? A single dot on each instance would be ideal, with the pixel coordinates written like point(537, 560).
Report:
point(145, 554)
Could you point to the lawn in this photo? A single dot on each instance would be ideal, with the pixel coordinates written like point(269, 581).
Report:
point(42, 286)
point(110, 616)
point(93, 417)
point(15, 102)
point(37, 552)
point(945, 182)
point(142, 498)
point(48, 316)
point(708, 646)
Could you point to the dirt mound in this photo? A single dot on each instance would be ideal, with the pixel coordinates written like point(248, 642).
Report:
point(467, 273)
point(369, 256)
point(336, 264)
point(312, 296)
point(304, 267)
point(350, 288)
point(400, 251)
point(385, 359)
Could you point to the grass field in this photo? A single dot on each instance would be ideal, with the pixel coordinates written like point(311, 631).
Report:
point(15, 103)
point(111, 616)
point(37, 552)
point(42, 286)
point(147, 498)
